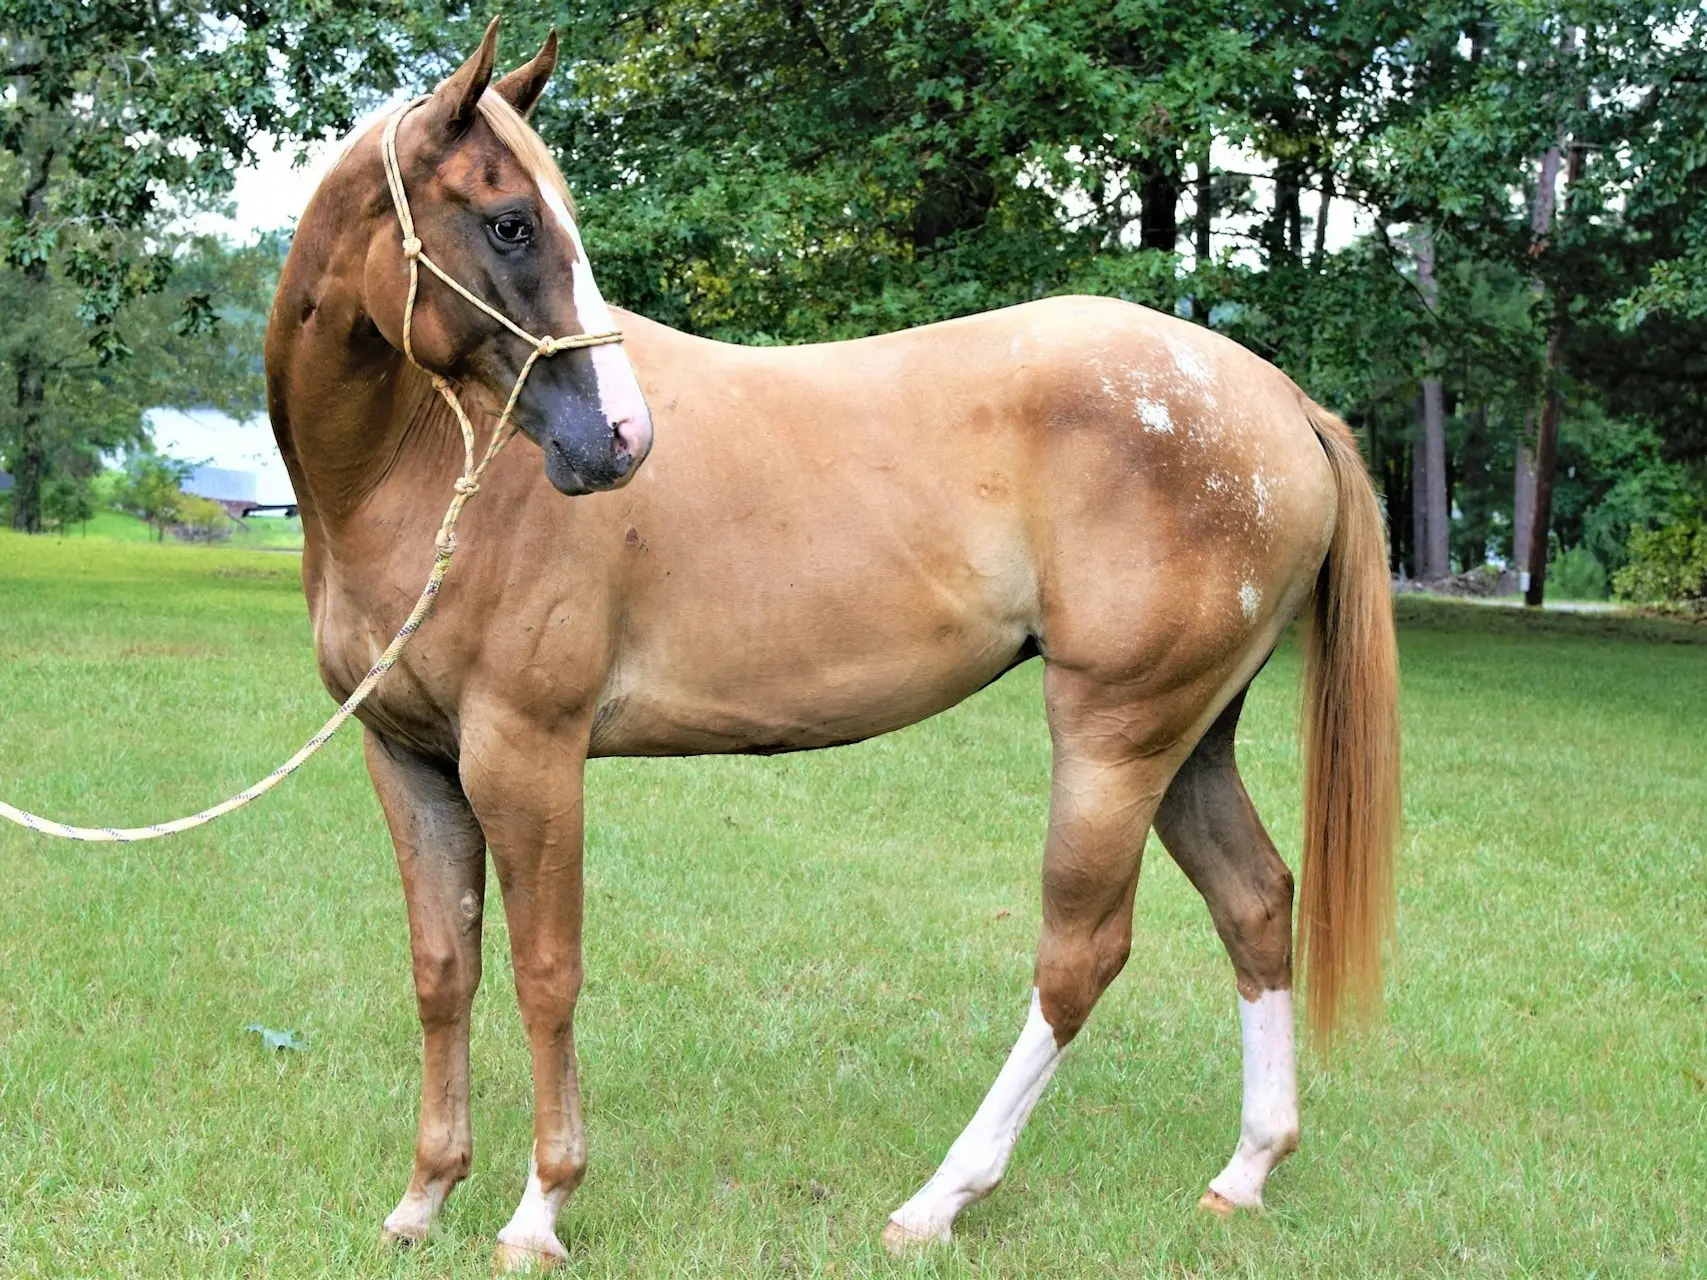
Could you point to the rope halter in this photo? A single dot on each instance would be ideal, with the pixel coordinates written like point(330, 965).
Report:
point(467, 485)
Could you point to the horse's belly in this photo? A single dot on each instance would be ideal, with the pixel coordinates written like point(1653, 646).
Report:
point(789, 683)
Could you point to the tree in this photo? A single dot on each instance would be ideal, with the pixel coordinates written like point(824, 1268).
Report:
point(116, 118)
point(152, 491)
point(67, 500)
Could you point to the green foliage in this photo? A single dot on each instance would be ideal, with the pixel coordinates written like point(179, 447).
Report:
point(1577, 575)
point(1667, 566)
point(201, 520)
point(67, 500)
point(119, 116)
point(151, 491)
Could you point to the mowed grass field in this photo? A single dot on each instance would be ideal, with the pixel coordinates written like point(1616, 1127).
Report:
point(804, 972)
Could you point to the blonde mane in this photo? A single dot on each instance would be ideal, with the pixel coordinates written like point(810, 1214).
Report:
point(517, 134)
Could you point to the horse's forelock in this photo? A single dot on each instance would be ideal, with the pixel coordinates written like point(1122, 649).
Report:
point(511, 129)
point(517, 134)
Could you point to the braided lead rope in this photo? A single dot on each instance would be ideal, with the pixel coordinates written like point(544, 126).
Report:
point(444, 544)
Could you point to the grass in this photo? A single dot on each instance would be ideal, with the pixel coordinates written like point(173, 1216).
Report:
point(270, 533)
point(804, 972)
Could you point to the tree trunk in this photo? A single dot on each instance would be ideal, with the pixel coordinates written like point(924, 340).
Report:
point(1202, 222)
point(31, 393)
point(1547, 421)
point(1158, 214)
point(1419, 495)
point(1434, 552)
point(1284, 231)
point(1523, 502)
point(30, 466)
point(1546, 458)
point(1319, 252)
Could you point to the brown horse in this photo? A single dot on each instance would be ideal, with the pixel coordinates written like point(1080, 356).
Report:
point(832, 542)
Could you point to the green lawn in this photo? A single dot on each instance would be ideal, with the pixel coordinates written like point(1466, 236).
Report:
point(804, 972)
point(256, 533)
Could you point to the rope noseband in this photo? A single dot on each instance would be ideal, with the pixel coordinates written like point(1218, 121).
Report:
point(467, 485)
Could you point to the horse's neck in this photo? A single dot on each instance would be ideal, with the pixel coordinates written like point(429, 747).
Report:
point(364, 437)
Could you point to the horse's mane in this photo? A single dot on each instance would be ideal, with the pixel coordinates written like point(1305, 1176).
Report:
point(511, 128)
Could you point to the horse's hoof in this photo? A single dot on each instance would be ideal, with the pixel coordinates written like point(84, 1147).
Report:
point(898, 1240)
point(511, 1258)
point(401, 1237)
point(1217, 1204)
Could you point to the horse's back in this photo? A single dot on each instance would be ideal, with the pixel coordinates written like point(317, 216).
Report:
point(868, 531)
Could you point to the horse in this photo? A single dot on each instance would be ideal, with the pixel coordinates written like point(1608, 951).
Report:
point(833, 541)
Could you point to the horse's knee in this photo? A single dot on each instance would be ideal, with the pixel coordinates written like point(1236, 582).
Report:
point(547, 991)
point(445, 982)
point(1256, 926)
point(1072, 975)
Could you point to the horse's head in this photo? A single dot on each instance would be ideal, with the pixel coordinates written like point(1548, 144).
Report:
point(491, 210)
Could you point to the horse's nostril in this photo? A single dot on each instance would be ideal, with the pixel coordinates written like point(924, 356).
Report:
point(630, 438)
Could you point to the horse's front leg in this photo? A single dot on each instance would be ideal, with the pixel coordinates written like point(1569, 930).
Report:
point(442, 857)
point(524, 782)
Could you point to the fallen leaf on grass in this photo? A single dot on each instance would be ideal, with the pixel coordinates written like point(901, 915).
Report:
point(276, 1040)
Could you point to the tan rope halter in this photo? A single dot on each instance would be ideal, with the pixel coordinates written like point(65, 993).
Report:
point(467, 485)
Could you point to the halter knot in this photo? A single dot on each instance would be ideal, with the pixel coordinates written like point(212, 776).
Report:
point(467, 485)
point(445, 543)
point(411, 246)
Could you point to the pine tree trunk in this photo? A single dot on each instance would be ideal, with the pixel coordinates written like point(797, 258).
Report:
point(1434, 549)
point(1419, 496)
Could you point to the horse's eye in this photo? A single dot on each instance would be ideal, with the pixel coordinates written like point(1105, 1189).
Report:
point(512, 229)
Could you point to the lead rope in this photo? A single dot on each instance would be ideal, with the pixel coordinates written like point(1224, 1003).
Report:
point(444, 545)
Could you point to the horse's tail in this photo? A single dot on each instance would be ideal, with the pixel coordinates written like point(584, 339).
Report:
point(1351, 753)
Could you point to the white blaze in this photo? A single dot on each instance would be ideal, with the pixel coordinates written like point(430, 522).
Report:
point(619, 389)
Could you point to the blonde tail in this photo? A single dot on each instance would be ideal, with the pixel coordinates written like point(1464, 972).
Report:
point(1351, 754)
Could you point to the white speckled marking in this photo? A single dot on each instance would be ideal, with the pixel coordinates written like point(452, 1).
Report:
point(1249, 599)
point(1189, 363)
point(1155, 417)
point(1261, 488)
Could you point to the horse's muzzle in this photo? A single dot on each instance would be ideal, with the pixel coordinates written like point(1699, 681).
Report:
point(581, 458)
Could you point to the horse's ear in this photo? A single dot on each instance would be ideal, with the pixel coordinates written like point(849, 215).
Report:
point(456, 101)
point(523, 86)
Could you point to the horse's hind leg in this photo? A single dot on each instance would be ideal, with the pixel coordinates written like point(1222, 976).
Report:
point(1209, 826)
point(1103, 794)
point(442, 856)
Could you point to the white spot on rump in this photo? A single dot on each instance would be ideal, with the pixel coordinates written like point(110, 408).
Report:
point(1189, 362)
point(976, 1161)
point(1155, 416)
point(1249, 599)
